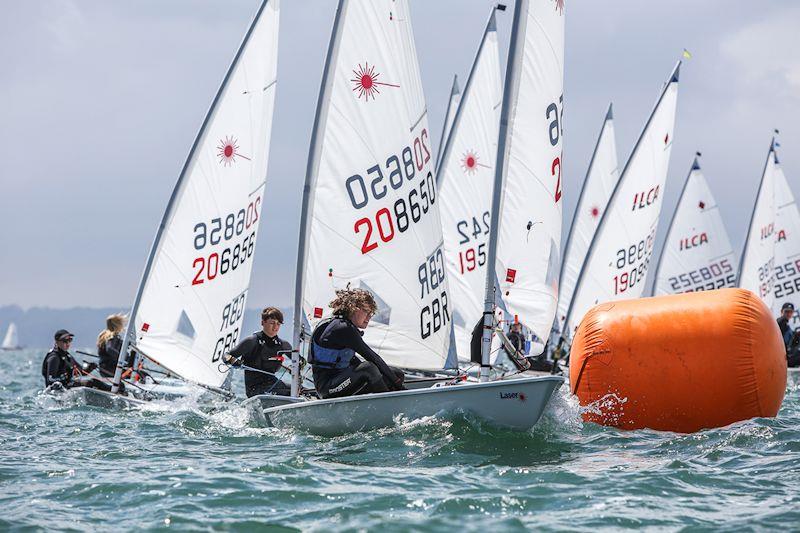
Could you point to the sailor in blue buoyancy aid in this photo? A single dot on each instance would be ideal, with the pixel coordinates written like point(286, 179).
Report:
point(336, 368)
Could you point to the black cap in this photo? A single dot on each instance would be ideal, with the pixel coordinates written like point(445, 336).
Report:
point(62, 334)
point(788, 306)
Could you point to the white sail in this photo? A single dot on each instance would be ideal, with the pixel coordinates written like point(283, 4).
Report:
point(757, 266)
point(449, 116)
point(11, 340)
point(618, 259)
point(371, 207)
point(525, 255)
point(601, 178)
point(787, 246)
point(465, 178)
point(193, 293)
point(697, 253)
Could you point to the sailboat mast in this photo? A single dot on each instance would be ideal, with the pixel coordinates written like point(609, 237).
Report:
point(509, 102)
point(129, 330)
point(445, 130)
point(312, 169)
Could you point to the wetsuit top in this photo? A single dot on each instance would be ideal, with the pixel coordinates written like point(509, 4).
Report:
point(341, 334)
point(786, 331)
point(109, 355)
point(57, 367)
point(258, 351)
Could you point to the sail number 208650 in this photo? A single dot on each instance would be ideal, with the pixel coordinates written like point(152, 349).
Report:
point(408, 208)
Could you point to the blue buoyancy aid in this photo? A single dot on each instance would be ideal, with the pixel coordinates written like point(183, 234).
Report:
point(321, 356)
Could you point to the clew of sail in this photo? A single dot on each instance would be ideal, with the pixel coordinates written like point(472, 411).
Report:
point(465, 177)
point(601, 178)
point(528, 183)
point(618, 259)
point(697, 253)
point(449, 116)
point(191, 300)
point(757, 264)
point(370, 207)
point(787, 245)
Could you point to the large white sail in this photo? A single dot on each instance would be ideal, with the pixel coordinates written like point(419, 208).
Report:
point(697, 253)
point(465, 177)
point(192, 298)
point(618, 259)
point(11, 340)
point(371, 207)
point(601, 178)
point(757, 266)
point(449, 116)
point(524, 250)
point(787, 245)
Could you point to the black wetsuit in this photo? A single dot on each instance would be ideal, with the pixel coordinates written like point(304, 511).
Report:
point(359, 377)
point(786, 331)
point(259, 351)
point(109, 355)
point(58, 366)
point(517, 341)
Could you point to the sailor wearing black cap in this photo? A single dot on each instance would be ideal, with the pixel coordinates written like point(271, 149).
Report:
point(58, 365)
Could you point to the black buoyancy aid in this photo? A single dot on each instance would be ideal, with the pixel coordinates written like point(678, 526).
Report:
point(324, 357)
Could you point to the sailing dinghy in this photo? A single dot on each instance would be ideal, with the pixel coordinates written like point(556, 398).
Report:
point(618, 259)
point(369, 165)
point(190, 303)
point(697, 254)
point(11, 340)
point(757, 265)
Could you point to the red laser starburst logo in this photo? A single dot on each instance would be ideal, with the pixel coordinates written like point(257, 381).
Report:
point(228, 151)
point(595, 211)
point(470, 162)
point(560, 6)
point(365, 82)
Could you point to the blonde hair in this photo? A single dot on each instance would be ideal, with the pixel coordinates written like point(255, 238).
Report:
point(114, 325)
point(348, 300)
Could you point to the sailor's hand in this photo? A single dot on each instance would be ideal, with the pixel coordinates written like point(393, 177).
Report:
point(231, 360)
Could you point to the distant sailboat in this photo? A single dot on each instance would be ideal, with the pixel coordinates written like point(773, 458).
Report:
point(618, 259)
point(11, 340)
point(697, 253)
point(787, 246)
point(757, 265)
point(190, 303)
point(601, 179)
point(465, 178)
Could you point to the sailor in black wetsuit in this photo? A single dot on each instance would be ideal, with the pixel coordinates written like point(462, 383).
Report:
point(334, 344)
point(109, 343)
point(259, 351)
point(59, 368)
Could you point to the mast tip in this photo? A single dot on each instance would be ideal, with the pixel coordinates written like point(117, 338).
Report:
point(610, 112)
point(676, 73)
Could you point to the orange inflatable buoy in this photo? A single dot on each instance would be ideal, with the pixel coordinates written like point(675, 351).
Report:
point(679, 363)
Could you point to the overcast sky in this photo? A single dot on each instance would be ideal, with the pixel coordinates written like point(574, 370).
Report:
point(100, 101)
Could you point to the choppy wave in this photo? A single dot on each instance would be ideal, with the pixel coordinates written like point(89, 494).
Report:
point(192, 465)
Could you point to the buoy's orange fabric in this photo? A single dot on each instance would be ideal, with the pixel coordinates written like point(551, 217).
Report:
point(679, 363)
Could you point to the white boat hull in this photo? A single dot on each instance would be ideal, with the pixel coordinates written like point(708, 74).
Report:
point(512, 403)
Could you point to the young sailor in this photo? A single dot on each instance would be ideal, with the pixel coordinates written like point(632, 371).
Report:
point(261, 353)
point(109, 343)
point(787, 311)
point(334, 343)
point(60, 369)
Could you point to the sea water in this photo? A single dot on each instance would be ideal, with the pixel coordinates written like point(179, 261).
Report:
point(186, 465)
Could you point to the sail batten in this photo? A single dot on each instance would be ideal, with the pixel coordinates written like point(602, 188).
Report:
point(190, 302)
